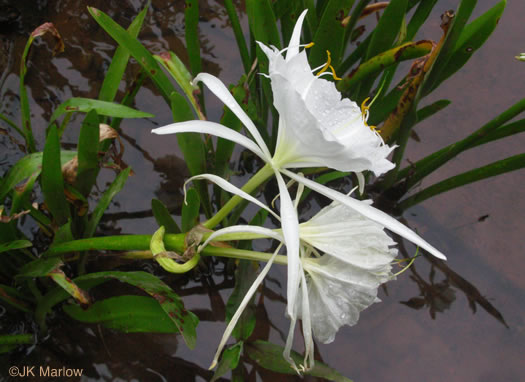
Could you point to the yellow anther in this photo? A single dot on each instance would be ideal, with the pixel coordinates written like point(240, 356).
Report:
point(328, 66)
point(309, 45)
point(364, 107)
point(364, 112)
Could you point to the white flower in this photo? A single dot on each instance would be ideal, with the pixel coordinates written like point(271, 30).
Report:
point(344, 280)
point(333, 288)
point(317, 127)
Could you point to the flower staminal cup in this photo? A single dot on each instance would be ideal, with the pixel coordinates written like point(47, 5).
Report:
point(316, 126)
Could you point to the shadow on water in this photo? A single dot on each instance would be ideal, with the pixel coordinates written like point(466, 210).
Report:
point(454, 341)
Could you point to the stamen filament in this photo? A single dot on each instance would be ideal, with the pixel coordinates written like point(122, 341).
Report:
point(328, 66)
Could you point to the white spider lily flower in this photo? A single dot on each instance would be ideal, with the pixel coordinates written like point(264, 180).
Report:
point(332, 288)
point(348, 236)
point(317, 127)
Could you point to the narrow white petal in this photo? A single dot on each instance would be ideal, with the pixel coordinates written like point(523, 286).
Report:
point(368, 211)
point(296, 37)
point(290, 226)
point(221, 91)
point(242, 306)
point(289, 343)
point(227, 186)
point(361, 181)
point(264, 232)
point(207, 127)
point(307, 325)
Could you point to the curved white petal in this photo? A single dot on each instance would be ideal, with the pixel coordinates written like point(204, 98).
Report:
point(221, 91)
point(242, 306)
point(263, 232)
point(338, 293)
point(295, 40)
point(319, 128)
point(369, 212)
point(307, 324)
point(227, 186)
point(290, 227)
point(340, 231)
point(207, 127)
point(361, 181)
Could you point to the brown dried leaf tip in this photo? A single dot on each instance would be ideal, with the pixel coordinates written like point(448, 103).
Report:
point(49, 27)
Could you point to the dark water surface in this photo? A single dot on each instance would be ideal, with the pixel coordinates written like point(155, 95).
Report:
point(462, 320)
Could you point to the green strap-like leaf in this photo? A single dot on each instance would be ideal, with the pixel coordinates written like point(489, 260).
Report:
point(383, 60)
point(191, 18)
point(239, 35)
point(51, 179)
point(104, 201)
point(163, 216)
point(109, 109)
point(17, 244)
point(171, 304)
point(190, 210)
point(458, 23)
point(471, 39)
point(39, 268)
point(116, 69)
point(383, 37)
point(513, 163)
point(26, 167)
point(435, 160)
point(88, 147)
point(192, 147)
point(270, 356)
point(137, 50)
point(245, 275)
point(229, 360)
point(330, 33)
point(128, 314)
point(24, 100)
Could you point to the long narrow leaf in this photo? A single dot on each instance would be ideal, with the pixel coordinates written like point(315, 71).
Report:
point(471, 39)
point(383, 37)
point(239, 36)
point(163, 216)
point(170, 303)
point(458, 23)
point(329, 35)
point(51, 179)
point(88, 143)
point(383, 60)
point(192, 147)
point(513, 163)
point(128, 314)
point(190, 210)
point(104, 201)
point(137, 50)
point(26, 167)
point(120, 59)
point(24, 100)
point(109, 109)
point(428, 164)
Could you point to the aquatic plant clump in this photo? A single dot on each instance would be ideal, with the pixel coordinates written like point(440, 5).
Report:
point(295, 112)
